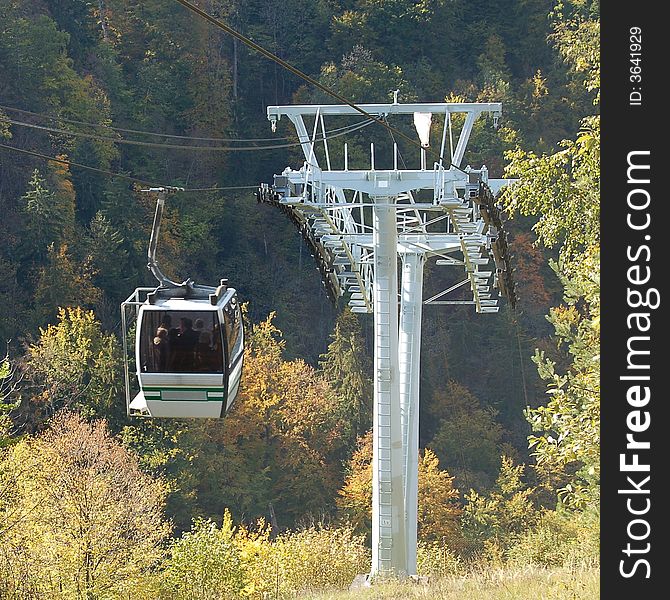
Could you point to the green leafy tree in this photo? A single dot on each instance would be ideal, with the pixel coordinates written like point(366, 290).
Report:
point(495, 521)
point(361, 78)
point(569, 424)
point(468, 439)
point(563, 191)
point(73, 365)
point(39, 52)
point(50, 214)
point(168, 450)
point(205, 564)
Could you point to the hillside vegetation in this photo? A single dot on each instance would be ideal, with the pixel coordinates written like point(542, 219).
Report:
point(274, 501)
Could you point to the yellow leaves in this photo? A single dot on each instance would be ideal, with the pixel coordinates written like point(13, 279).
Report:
point(81, 514)
point(74, 363)
point(61, 174)
point(284, 431)
point(595, 324)
point(355, 496)
point(456, 98)
point(439, 510)
point(539, 86)
point(319, 558)
point(240, 562)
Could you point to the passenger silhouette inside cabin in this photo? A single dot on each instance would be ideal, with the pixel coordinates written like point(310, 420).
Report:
point(161, 350)
point(192, 347)
point(162, 344)
point(203, 349)
point(184, 347)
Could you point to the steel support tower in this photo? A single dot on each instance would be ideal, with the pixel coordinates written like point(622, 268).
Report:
point(359, 220)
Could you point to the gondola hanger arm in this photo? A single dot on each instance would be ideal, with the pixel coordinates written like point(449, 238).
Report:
point(161, 194)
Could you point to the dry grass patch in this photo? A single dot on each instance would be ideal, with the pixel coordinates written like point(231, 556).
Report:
point(524, 584)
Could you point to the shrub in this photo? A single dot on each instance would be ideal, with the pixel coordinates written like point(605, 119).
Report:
point(560, 539)
point(227, 563)
point(205, 564)
point(437, 560)
point(320, 558)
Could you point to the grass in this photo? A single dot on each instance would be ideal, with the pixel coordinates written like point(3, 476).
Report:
point(525, 584)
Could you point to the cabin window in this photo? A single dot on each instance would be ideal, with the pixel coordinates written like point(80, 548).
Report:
point(233, 319)
point(181, 342)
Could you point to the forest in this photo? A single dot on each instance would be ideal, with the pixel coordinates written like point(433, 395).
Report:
point(274, 500)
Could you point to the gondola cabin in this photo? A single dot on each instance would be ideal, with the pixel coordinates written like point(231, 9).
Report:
point(189, 347)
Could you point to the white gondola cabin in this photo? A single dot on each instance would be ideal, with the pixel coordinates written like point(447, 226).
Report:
point(188, 353)
point(188, 344)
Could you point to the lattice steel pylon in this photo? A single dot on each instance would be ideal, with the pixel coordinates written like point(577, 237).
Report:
point(358, 222)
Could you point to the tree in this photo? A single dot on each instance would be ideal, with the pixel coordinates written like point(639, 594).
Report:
point(50, 214)
point(205, 563)
point(347, 368)
point(168, 450)
point(428, 29)
point(361, 78)
point(80, 520)
point(439, 511)
point(73, 365)
point(279, 442)
point(569, 424)
point(8, 402)
point(109, 257)
point(13, 300)
point(468, 439)
point(355, 497)
point(563, 191)
point(62, 282)
point(496, 521)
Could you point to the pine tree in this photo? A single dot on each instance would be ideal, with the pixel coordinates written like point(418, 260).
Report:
point(108, 255)
point(49, 214)
point(347, 367)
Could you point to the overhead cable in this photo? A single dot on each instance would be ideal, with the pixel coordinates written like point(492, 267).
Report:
point(120, 175)
point(154, 133)
point(342, 131)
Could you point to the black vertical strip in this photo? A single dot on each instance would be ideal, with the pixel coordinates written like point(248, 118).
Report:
point(633, 334)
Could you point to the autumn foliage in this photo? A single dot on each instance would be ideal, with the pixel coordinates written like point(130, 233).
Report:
point(78, 517)
point(439, 508)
